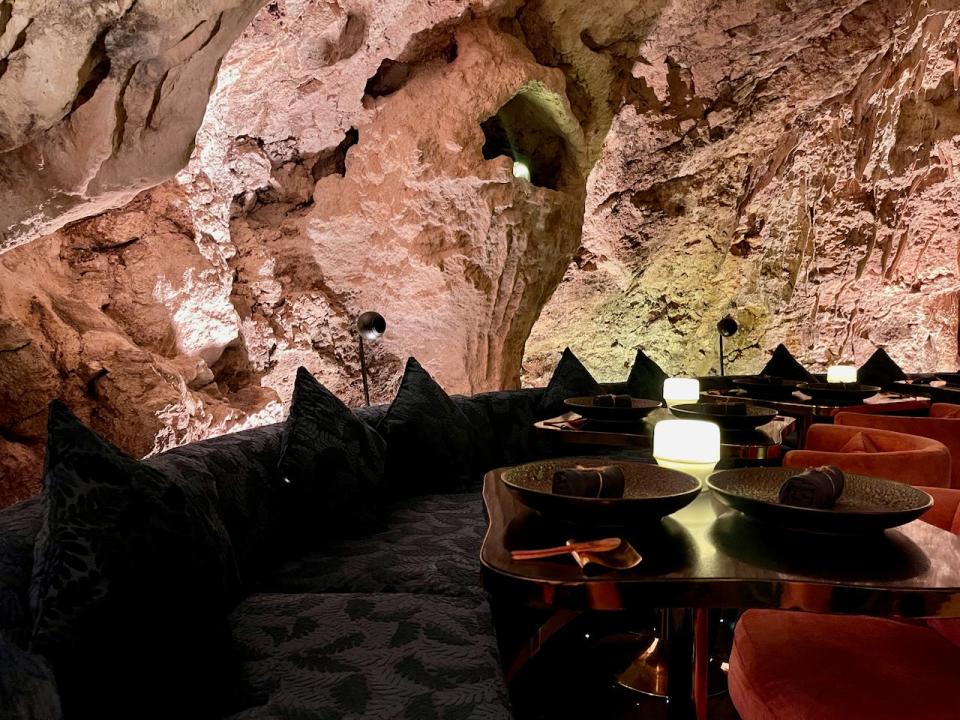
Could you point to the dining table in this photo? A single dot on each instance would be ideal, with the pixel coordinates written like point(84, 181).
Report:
point(762, 444)
point(708, 556)
point(808, 411)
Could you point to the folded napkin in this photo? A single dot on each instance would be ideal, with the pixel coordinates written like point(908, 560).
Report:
point(817, 487)
point(606, 481)
point(613, 401)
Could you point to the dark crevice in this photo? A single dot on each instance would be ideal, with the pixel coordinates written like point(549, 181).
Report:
point(6, 12)
point(193, 30)
point(17, 44)
point(394, 74)
point(121, 111)
point(94, 70)
point(333, 161)
point(155, 100)
point(213, 33)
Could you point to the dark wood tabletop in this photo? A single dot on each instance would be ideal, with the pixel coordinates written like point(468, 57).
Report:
point(763, 443)
point(706, 555)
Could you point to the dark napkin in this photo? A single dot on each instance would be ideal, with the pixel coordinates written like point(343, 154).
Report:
point(783, 364)
point(620, 401)
point(817, 487)
point(606, 481)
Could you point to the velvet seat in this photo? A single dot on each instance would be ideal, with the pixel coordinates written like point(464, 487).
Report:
point(807, 666)
point(879, 453)
point(943, 425)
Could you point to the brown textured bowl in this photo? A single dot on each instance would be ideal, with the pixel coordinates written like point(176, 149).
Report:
point(867, 504)
point(755, 416)
point(639, 409)
point(650, 492)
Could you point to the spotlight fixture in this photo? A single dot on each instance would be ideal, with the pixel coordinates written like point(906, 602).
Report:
point(726, 327)
point(521, 170)
point(370, 326)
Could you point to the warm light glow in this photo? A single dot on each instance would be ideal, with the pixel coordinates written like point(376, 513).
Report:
point(690, 446)
point(841, 374)
point(681, 390)
point(521, 170)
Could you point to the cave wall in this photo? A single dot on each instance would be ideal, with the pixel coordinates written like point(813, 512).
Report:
point(790, 163)
point(339, 167)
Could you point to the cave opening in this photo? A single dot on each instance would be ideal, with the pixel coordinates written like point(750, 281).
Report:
point(525, 131)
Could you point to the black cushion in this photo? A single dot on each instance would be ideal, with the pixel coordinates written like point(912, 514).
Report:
point(132, 576)
point(880, 370)
point(28, 690)
point(570, 379)
point(431, 443)
point(785, 366)
point(331, 465)
point(646, 378)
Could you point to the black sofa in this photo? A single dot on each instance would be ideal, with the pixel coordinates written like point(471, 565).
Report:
point(393, 623)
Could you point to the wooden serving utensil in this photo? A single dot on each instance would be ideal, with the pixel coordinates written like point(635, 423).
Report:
point(591, 546)
point(622, 557)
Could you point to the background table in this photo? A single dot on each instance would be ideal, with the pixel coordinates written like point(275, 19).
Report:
point(707, 556)
point(764, 443)
point(806, 411)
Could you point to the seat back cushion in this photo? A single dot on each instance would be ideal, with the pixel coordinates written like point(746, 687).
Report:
point(28, 690)
point(646, 378)
point(133, 575)
point(19, 525)
point(242, 466)
point(431, 443)
point(331, 466)
point(783, 364)
point(570, 379)
point(881, 370)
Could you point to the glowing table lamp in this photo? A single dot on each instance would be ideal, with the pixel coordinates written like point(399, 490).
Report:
point(681, 390)
point(521, 170)
point(841, 374)
point(690, 446)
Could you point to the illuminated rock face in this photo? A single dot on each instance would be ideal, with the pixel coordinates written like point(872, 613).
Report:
point(792, 164)
point(797, 169)
point(101, 99)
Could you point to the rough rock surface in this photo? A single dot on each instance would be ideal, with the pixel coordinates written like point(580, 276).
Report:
point(791, 163)
point(101, 99)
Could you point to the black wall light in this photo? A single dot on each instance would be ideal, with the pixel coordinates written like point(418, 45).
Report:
point(726, 327)
point(370, 326)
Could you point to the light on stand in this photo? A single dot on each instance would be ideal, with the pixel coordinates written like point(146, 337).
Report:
point(681, 390)
point(690, 446)
point(726, 327)
point(841, 374)
point(370, 326)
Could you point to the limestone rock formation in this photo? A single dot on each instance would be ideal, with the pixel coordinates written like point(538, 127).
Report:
point(793, 164)
point(99, 100)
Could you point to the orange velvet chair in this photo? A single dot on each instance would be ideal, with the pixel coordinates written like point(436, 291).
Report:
point(806, 666)
point(880, 453)
point(943, 425)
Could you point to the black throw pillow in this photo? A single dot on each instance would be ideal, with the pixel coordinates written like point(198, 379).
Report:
point(331, 463)
point(646, 378)
point(431, 444)
point(785, 366)
point(570, 379)
point(880, 370)
point(133, 576)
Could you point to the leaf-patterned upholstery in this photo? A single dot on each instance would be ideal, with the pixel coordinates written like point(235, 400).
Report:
point(430, 544)
point(376, 656)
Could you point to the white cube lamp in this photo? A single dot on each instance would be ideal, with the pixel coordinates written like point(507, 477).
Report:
point(681, 390)
point(690, 446)
point(841, 374)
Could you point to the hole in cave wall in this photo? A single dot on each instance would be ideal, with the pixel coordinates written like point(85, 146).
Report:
point(524, 131)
